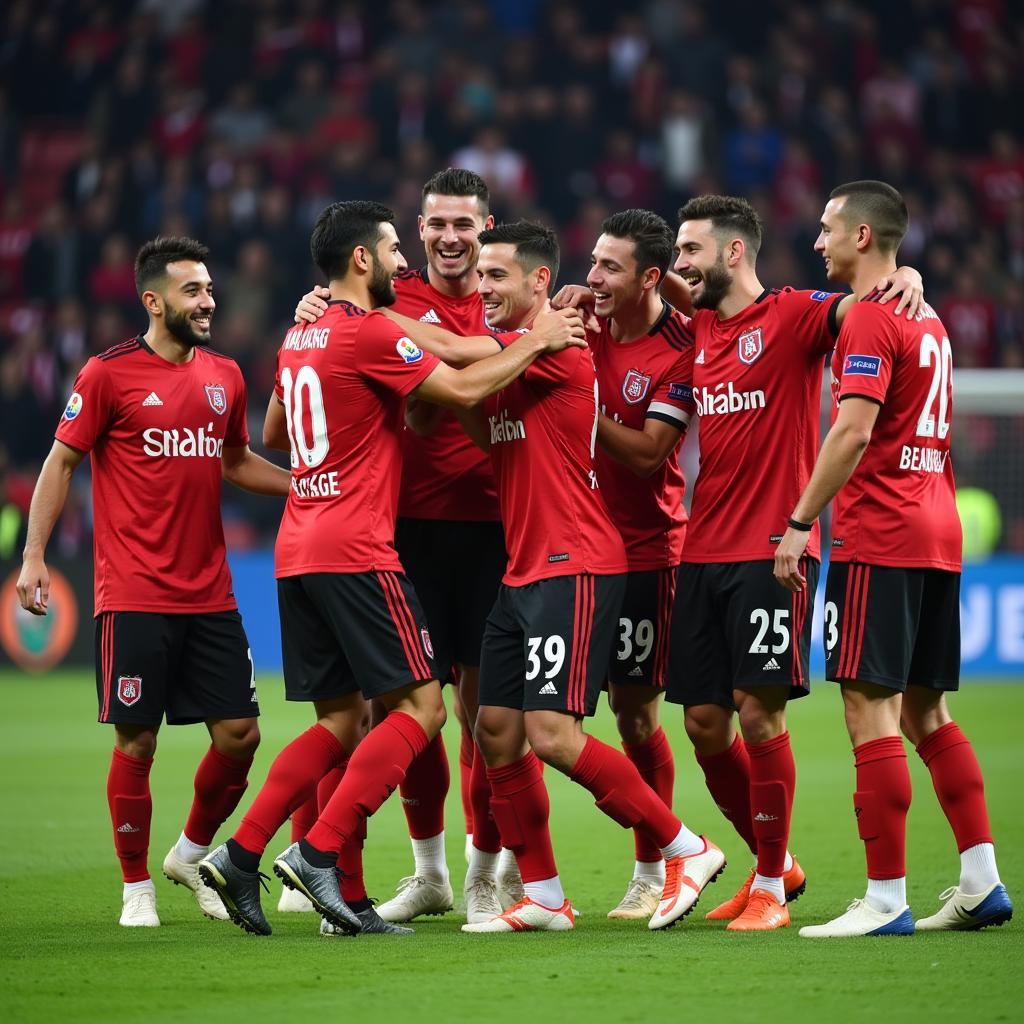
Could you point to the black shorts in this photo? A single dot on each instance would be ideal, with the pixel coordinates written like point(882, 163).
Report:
point(456, 568)
point(640, 655)
point(189, 668)
point(348, 632)
point(735, 628)
point(546, 644)
point(893, 627)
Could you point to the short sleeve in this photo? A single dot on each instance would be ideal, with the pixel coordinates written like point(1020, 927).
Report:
point(812, 317)
point(89, 409)
point(237, 434)
point(865, 352)
point(672, 400)
point(384, 355)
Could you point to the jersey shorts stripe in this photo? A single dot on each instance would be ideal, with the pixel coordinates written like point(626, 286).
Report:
point(106, 661)
point(405, 623)
point(854, 619)
point(583, 626)
point(801, 604)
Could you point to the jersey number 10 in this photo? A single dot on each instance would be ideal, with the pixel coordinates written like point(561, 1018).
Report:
point(301, 392)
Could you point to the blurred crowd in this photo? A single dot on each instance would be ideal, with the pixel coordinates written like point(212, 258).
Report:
point(236, 121)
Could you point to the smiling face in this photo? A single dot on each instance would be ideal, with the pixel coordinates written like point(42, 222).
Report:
point(449, 226)
point(614, 276)
point(509, 292)
point(388, 261)
point(837, 242)
point(700, 261)
point(187, 297)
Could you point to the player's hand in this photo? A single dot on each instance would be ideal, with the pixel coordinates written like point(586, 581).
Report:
point(787, 559)
point(577, 296)
point(34, 586)
point(907, 285)
point(560, 328)
point(312, 305)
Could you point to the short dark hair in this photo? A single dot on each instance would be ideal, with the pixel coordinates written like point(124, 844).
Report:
point(879, 205)
point(650, 234)
point(457, 181)
point(728, 215)
point(340, 228)
point(536, 245)
point(152, 259)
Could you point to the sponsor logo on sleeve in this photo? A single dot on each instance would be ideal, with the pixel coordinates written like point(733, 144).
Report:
point(750, 345)
point(680, 392)
point(217, 396)
point(74, 406)
point(635, 386)
point(862, 366)
point(821, 296)
point(408, 350)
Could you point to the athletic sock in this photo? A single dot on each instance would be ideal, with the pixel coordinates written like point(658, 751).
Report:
point(485, 829)
point(482, 865)
point(189, 852)
point(547, 892)
point(325, 789)
point(978, 868)
point(350, 869)
point(303, 817)
point(653, 760)
point(291, 781)
point(429, 858)
point(959, 785)
point(620, 792)
point(467, 754)
point(520, 806)
point(423, 791)
point(131, 812)
point(132, 887)
point(881, 804)
point(219, 784)
point(772, 782)
point(887, 895)
point(374, 772)
point(651, 871)
point(768, 884)
point(727, 776)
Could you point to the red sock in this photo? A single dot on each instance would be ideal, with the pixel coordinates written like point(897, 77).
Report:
point(485, 829)
point(131, 810)
point(292, 780)
point(467, 751)
point(303, 818)
point(325, 790)
point(772, 783)
point(424, 789)
point(622, 794)
point(350, 867)
point(956, 776)
point(881, 804)
point(374, 772)
point(220, 783)
point(727, 776)
point(520, 806)
point(654, 762)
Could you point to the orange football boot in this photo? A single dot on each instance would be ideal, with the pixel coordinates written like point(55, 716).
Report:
point(762, 913)
point(794, 881)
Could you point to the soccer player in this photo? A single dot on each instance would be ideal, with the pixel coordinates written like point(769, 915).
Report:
point(738, 643)
point(549, 635)
point(351, 623)
point(448, 534)
point(892, 600)
point(164, 418)
point(643, 356)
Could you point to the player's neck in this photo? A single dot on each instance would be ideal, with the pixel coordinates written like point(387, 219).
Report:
point(745, 291)
point(167, 346)
point(453, 287)
point(528, 316)
point(635, 321)
point(870, 270)
point(351, 291)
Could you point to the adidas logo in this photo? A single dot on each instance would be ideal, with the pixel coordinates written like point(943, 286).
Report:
point(548, 688)
point(761, 816)
point(635, 671)
point(700, 358)
point(430, 317)
point(772, 666)
point(128, 827)
point(152, 399)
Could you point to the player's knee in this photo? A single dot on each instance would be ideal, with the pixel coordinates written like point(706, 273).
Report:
point(636, 726)
point(708, 728)
point(921, 713)
point(141, 745)
point(554, 744)
point(760, 723)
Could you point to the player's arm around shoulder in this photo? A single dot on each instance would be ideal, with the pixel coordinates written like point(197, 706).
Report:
point(905, 284)
point(451, 348)
point(642, 451)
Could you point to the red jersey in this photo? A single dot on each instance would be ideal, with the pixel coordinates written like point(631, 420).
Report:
point(899, 506)
point(543, 428)
point(757, 389)
point(647, 378)
point(343, 382)
point(156, 431)
point(444, 475)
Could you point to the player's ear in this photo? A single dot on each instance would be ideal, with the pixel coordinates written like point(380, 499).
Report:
point(421, 224)
point(361, 257)
point(651, 278)
point(863, 236)
point(489, 223)
point(543, 279)
point(153, 303)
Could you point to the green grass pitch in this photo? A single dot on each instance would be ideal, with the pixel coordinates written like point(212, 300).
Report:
point(63, 957)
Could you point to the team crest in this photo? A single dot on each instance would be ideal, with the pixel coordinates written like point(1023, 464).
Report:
point(217, 397)
point(751, 345)
point(129, 690)
point(427, 645)
point(635, 386)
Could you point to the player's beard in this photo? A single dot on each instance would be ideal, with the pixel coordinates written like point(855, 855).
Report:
point(182, 329)
point(717, 281)
point(381, 286)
